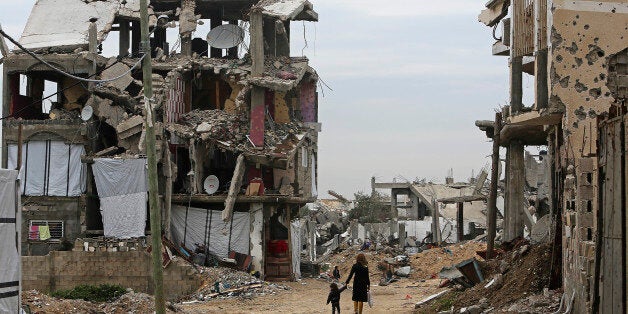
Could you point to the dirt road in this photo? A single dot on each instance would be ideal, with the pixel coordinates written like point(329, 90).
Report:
point(310, 295)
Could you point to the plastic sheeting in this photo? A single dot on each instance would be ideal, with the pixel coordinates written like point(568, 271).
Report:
point(124, 216)
point(206, 226)
point(120, 176)
point(50, 168)
point(122, 187)
point(296, 229)
point(9, 250)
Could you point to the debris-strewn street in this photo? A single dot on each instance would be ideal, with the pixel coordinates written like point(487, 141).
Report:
point(297, 156)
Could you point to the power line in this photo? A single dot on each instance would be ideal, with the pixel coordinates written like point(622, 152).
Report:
point(65, 73)
point(59, 92)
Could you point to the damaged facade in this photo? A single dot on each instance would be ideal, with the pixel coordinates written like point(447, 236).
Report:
point(237, 130)
point(577, 52)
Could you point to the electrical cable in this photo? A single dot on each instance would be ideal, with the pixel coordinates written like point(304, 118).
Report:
point(68, 74)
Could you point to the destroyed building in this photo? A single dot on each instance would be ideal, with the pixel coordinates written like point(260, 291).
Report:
point(577, 53)
point(450, 212)
point(237, 128)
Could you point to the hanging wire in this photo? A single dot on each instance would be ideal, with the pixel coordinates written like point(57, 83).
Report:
point(59, 92)
point(65, 73)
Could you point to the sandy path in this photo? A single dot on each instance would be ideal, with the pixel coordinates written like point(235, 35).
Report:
point(310, 295)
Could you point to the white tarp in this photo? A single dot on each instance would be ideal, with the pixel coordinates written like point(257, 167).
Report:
point(121, 185)
point(50, 168)
point(9, 246)
point(296, 229)
point(204, 226)
point(124, 216)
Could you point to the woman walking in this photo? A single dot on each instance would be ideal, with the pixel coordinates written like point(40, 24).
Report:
point(361, 283)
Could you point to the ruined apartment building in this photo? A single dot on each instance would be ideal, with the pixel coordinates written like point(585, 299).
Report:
point(228, 118)
point(577, 52)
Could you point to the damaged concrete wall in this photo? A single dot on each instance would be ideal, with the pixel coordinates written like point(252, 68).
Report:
point(62, 270)
point(584, 34)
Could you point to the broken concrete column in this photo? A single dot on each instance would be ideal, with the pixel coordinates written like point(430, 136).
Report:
point(234, 188)
point(187, 26)
point(402, 236)
point(516, 84)
point(514, 198)
point(258, 113)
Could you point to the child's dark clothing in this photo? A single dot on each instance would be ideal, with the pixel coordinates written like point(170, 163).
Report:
point(334, 298)
point(336, 274)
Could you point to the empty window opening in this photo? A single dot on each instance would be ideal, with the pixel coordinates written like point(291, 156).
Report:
point(50, 96)
point(209, 92)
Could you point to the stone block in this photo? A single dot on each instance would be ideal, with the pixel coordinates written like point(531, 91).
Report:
point(585, 164)
point(584, 220)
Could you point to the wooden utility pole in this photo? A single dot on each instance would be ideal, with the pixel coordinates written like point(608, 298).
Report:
point(155, 211)
point(492, 198)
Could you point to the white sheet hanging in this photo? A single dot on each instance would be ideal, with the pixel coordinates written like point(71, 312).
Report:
point(50, 168)
point(121, 185)
point(120, 176)
point(295, 239)
point(199, 219)
point(9, 249)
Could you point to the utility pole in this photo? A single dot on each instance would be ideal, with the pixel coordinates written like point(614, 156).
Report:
point(491, 218)
point(155, 211)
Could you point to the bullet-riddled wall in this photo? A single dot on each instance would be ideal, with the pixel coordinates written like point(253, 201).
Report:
point(584, 34)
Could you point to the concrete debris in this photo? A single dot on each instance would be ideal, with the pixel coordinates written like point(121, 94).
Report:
point(130, 302)
point(224, 283)
point(403, 271)
point(229, 132)
point(115, 70)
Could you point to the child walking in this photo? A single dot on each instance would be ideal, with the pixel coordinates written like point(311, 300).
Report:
point(334, 297)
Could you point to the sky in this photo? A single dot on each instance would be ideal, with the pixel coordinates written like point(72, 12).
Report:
point(406, 81)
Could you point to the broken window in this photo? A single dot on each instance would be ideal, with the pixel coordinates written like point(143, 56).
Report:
point(51, 168)
point(45, 230)
point(41, 95)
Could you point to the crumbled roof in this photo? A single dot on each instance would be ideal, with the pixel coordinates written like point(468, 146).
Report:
point(289, 9)
point(280, 73)
point(64, 24)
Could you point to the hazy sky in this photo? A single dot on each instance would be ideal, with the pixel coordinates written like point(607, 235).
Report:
point(409, 78)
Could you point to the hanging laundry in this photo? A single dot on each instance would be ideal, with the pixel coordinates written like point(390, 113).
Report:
point(33, 233)
point(44, 233)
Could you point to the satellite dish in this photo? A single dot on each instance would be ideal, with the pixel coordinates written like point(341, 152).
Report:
point(225, 36)
point(87, 113)
point(211, 184)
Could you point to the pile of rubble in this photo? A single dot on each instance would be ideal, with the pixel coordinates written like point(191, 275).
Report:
point(429, 262)
point(102, 244)
point(231, 130)
point(224, 283)
point(131, 302)
point(516, 283)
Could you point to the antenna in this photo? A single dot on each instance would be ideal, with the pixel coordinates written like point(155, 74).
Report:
point(87, 113)
point(225, 36)
point(210, 185)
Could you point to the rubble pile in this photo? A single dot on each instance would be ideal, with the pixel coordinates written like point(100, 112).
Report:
point(231, 130)
point(516, 283)
point(429, 262)
point(224, 283)
point(102, 244)
point(131, 302)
